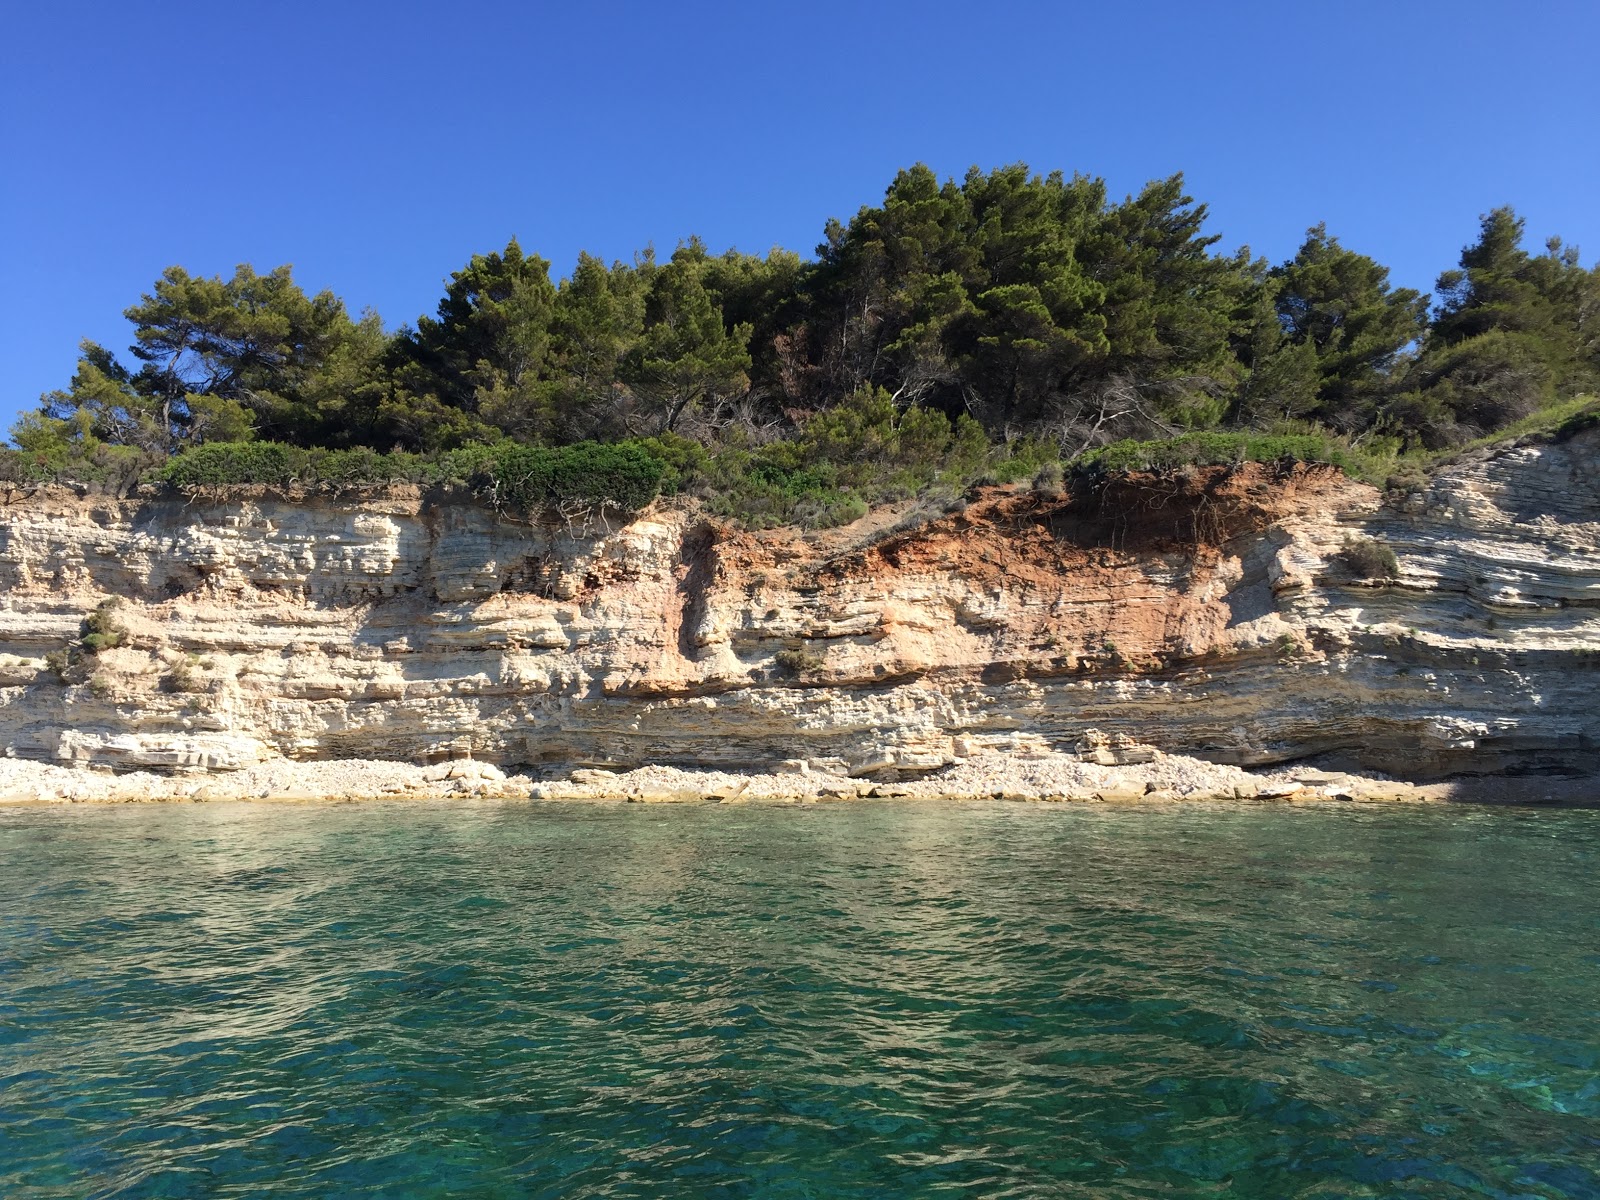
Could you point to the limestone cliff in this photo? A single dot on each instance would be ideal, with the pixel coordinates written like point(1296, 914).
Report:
point(1208, 612)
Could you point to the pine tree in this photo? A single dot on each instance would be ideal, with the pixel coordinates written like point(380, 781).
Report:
point(1508, 336)
point(686, 361)
point(1339, 315)
point(486, 353)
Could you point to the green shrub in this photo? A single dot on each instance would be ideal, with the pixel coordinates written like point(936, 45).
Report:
point(217, 464)
point(1373, 461)
point(798, 662)
point(364, 466)
point(1020, 459)
point(1575, 417)
point(592, 476)
point(1410, 479)
point(101, 630)
point(861, 452)
point(624, 475)
point(828, 512)
point(1558, 421)
point(29, 466)
point(221, 464)
point(1575, 425)
point(184, 676)
point(1368, 558)
point(772, 486)
point(1209, 449)
point(683, 461)
point(466, 466)
point(118, 467)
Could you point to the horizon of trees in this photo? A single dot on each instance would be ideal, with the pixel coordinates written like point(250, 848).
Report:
point(1004, 306)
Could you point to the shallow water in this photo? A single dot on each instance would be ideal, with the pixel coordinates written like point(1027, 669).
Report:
point(885, 1000)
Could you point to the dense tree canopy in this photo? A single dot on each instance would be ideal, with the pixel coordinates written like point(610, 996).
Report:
point(1008, 308)
point(1340, 333)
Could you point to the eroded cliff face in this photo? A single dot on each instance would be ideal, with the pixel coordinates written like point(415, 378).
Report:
point(1208, 613)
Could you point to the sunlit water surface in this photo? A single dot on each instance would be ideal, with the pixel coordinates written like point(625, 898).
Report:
point(879, 999)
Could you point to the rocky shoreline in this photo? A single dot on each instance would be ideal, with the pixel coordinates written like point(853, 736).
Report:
point(252, 644)
point(1048, 777)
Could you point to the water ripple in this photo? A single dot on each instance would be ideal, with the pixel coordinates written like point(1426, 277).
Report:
point(885, 1000)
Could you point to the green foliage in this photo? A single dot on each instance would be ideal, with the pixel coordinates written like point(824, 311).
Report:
point(1558, 422)
point(769, 487)
point(1340, 331)
point(224, 464)
point(1584, 414)
point(1049, 480)
point(866, 450)
point(1023, 297)
point(1513, 334)
point(101, 630)
point(981, 327)
point(1220, 449)
point(253, 344)
point(683, 462)
point(876, 446)
point(485, 355)
point(184, 676)
point(599, 314)
point(1368, 558)
point(219, 464)
point(686, 358)
point(469, 466)
point(23, 466)
point(587, 476)
point(117, 468)
point(1021, 459)
point(361, 466)
point(219, 360)
point(798, 662)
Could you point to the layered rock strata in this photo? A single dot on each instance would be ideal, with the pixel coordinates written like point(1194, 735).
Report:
point(1210, 612)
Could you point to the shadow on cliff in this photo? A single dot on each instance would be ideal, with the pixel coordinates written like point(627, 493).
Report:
point(696, 573)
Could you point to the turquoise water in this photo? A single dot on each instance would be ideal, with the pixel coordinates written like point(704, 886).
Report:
point(878, 999)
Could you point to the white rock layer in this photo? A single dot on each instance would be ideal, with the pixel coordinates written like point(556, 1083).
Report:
point(391, 627)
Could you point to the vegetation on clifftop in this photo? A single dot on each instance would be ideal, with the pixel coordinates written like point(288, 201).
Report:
point(959, 330)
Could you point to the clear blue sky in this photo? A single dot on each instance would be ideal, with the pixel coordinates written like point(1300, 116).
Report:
point(377, 146)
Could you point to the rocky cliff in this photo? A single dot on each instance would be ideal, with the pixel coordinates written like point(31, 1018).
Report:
point(1210, 612)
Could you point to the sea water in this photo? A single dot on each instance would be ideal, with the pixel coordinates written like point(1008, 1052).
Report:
point(879, 999)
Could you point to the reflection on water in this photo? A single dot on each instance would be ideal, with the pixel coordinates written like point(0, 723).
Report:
point(492, 1000)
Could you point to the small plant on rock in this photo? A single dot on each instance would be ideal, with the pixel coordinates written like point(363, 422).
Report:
point(184, 676)
point(1049, 481)
point(1368, 558)
point(101, 630)
point(797, 662)
point(1410, 480)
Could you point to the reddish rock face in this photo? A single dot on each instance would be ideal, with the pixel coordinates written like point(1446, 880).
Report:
point(1208, 611)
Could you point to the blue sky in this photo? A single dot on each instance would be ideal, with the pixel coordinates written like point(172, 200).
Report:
point(378, 146)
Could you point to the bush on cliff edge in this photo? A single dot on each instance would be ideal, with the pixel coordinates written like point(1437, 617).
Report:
point(584, 477)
